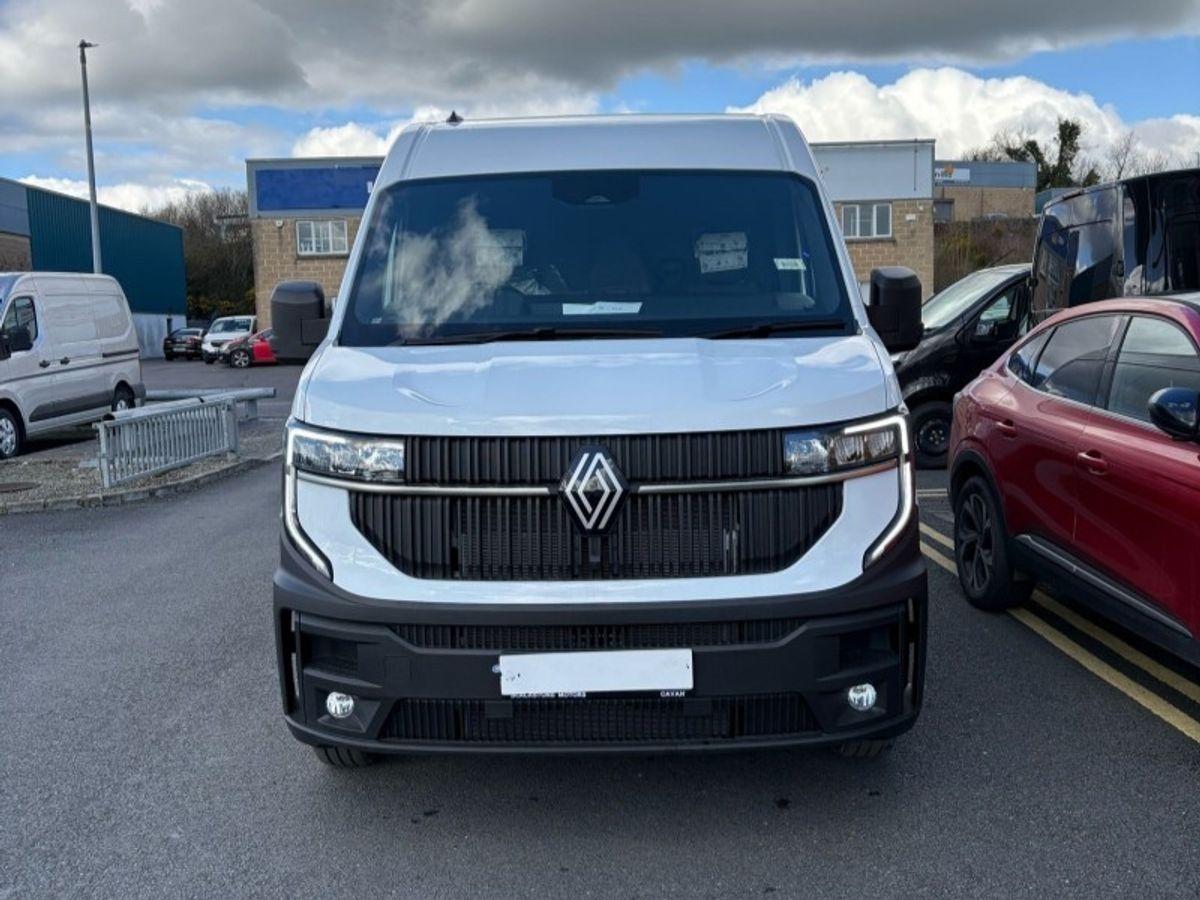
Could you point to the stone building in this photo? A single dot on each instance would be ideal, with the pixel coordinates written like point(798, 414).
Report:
point(883, 194)
point(972, 189)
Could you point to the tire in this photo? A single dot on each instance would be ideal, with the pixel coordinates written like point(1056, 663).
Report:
point(981, 550)
point(240, 359)
point(863, 749)
point(931, 433)
point(209, 362)
point(345, 757)
point(10, 435)
point(123, 399)
point(169, 357)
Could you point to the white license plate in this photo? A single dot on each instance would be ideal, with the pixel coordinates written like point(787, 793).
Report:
point(595, 672)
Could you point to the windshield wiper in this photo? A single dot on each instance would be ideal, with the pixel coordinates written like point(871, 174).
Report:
point(541, 333)
point(766, 329)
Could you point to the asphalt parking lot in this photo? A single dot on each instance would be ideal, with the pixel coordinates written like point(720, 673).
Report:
point(142, 752)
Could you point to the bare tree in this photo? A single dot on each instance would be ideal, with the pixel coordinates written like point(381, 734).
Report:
point(217, 251)
point(1121, 157)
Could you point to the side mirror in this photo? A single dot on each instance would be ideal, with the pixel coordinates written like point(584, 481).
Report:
point(894, 309)
point(1177, 412)
point(19, 340)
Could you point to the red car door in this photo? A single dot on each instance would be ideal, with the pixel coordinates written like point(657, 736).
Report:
point(1037, 427)
point(1139, 498)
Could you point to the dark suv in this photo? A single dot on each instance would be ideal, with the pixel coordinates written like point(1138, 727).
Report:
point(967, 326)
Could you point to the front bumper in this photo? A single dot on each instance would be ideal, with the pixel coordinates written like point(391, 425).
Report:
point(768, 671)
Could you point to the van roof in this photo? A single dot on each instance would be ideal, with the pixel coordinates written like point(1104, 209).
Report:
point(580, 143)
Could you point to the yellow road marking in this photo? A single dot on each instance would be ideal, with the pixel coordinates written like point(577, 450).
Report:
point(1152, 702)
point(931, 532)
point(940, 558)
point(1167, 676)
point(1173, 716)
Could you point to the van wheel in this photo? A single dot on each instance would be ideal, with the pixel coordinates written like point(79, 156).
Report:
point(10, 435)
point(208, 361)
point(345, 757)
point(122, 399)
point(931, 433)
point(981, 550)
point(169, 357)
point(863, 749)
point(240, 359)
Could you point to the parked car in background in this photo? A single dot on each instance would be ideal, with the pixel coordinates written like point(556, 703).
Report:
point(183, 342)
point(967, 326)
point(254, 350)
point(1136, 237)
point(224, 330)
point(68, 353)
point(1075, 460)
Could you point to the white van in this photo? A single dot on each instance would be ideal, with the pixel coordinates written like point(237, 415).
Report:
point(224, 330)
point(68, 353)
point(603, 451)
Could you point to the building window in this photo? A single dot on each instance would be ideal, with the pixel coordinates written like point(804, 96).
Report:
point(943, 211)
point(867, 220)
point(327, 238)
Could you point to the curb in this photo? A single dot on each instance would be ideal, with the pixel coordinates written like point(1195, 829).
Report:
point(137, 495)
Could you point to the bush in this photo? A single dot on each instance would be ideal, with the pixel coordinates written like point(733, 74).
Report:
point(960, 248)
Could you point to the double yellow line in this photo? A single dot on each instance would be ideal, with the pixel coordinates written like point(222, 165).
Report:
point(1166, 711)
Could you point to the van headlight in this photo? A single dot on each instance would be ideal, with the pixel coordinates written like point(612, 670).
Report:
point(849, 447)
point(332, 455)
point(857, 446)
point(347, 456)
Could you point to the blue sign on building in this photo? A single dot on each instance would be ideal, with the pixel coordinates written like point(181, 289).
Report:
point(292, 186)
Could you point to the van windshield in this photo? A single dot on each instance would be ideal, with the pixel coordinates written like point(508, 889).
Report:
point(596, 254)
point(947, 305)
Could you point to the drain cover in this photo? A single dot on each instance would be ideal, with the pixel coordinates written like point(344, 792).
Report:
point(12, 487)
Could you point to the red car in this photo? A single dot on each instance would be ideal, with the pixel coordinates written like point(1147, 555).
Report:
point(255, 350)
point(1074, 459)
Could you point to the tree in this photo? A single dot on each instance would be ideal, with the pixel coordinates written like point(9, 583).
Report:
point(1060, 165)
point(217, 251)
point(1128, 159)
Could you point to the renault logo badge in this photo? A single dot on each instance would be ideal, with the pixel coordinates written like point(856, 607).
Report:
point(593, 488)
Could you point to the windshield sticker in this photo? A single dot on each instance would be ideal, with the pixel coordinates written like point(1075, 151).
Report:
point(722, 252)
point(602, 308)
point(789, 264)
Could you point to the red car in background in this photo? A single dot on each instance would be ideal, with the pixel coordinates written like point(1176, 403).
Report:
point(255, 350)
point(1075, 459)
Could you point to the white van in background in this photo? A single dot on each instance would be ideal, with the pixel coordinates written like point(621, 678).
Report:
point(68, 353)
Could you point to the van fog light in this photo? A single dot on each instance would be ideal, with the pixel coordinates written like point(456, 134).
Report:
point(341, 706)
point(860, 697)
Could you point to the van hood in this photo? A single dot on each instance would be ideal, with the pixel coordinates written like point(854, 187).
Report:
point(595, 387)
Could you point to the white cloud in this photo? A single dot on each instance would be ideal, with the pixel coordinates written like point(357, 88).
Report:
point(354, 139)
point(962, 112)
point(129, 196)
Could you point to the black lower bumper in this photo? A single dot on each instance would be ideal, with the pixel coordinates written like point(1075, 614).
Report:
point(768, 671)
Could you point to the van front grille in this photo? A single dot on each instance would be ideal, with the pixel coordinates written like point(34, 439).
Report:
point(534, 538)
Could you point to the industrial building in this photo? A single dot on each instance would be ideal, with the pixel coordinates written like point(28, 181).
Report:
point(974, 189)
point(45, 231)
point(305, 213)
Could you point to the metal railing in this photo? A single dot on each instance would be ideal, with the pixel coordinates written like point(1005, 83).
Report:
point(246, 398)
point(137, 443)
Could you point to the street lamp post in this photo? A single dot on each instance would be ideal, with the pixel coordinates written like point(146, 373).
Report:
point(91, 165)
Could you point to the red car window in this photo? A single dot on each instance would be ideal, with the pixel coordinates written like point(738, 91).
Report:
point(1155, 354)
point(1070, 365)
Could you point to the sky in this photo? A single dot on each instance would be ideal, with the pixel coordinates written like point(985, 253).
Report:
point(184, 91)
